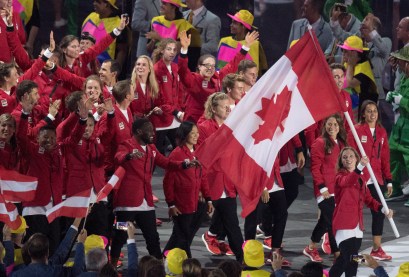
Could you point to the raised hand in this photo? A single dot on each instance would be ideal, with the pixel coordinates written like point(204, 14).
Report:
point(251, 38)
point(184, 40)
point(54, 106)
point(82, 236)
point(52, 42)
point(82, 108)
point(124, 22)
point(109, 107)
point(131, 230)
point(27, 103)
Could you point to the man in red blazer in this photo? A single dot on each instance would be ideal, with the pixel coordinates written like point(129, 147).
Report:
point(133, 201)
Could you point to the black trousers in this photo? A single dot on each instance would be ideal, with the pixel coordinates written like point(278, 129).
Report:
point(274, 219)
point(39, 224)
point(378, 218)
point(225, 221)
point(185, 227)
point(291, 181)
point(98, 220)
point(161, 139)
point(324, 223)
point(146, 221)
point(344, 263)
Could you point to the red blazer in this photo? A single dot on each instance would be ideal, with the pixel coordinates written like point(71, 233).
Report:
point(142, 103)
point(89, 56)
point(200, 89)
point(323, 166)
point(46, 166)
point(9, 155)
point(6, 49)
point(85, 163)
point(121, 131)
point(169, 94)
point(376, 148)
point(136, 184)
point(288, 151)
point(182, 186)
point(7, 102)
point(34, 124)
point(314, 131)
point(218, 181)
point(350, 195)
point(80, 65)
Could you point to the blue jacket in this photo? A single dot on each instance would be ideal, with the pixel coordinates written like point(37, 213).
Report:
point(132, 260)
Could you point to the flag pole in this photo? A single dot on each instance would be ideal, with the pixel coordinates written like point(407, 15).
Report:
point(371, 173)
point(89, 207)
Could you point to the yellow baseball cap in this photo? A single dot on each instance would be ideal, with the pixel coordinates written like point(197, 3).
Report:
point(403, 270)
point(175, 258)
point(94, 241)
point(253, 253)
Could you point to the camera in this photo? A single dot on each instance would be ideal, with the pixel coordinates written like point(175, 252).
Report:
point(358, 259)
point(121, 226)
point(340, 7)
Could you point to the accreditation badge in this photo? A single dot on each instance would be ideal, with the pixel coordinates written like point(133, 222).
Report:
point(364, 139)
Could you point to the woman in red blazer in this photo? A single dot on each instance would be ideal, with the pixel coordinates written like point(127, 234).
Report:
point(8, 144)
point(169, 99)
point(146, 89)
point(324, 155)
point(374, 139)
point(351, 193)
point(185, 191)
point(201, 84)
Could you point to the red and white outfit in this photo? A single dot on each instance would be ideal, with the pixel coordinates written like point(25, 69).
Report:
point(198, 88)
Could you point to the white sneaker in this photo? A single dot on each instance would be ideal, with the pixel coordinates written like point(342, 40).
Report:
point(259, 233)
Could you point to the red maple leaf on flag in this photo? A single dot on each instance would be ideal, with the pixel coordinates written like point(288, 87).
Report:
point(270, 124)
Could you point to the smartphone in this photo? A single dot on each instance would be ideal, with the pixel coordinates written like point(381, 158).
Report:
point(341, 7)
point(121, 226)
point(358, 259)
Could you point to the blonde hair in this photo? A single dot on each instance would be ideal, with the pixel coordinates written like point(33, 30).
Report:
point(212, 102)
point(8, 117)
point(157, 53)
point(152, 83)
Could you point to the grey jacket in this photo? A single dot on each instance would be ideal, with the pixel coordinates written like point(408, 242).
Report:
point(208, 24)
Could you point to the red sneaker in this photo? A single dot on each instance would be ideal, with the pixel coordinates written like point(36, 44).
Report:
point(211, 243)
point(325, 246)
point(312, 254)
point(225, 249)
point(267, 243)
point(380, 255)
point(158, 222)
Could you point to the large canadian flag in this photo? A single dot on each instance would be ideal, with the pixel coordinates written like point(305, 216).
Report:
point(113, 183)
point(16, 187)
point(297, 91)
point(9, 213)
point(74, 206)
